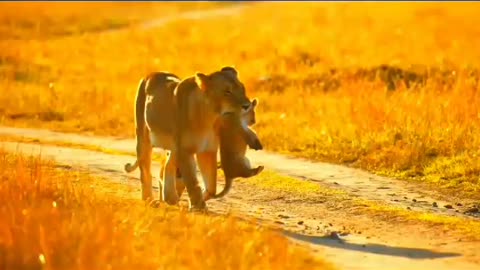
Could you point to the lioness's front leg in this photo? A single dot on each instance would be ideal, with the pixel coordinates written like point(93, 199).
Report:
point(169, 192)
point(207, 163)
point(187, 166)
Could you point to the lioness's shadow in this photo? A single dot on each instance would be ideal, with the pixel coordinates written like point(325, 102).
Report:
point(335, 242)
point(329, 241)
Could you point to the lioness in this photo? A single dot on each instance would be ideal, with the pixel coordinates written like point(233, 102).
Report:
point(180, 117)
point(234, 137)
point(233, 143)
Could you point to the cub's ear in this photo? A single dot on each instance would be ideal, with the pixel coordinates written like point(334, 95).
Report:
point(254, 102)
point(201, 80)
point(230, 70)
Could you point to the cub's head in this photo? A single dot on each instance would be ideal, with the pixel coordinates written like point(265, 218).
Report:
point(248, 115)
point(224, 89)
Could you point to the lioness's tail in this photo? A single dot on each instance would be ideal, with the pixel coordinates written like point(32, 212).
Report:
point(130, 168)
point(139, 120)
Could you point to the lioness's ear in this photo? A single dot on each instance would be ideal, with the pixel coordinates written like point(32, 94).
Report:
point(201, 80)
point(231, 70)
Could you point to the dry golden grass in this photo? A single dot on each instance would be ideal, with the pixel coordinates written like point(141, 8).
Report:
point(37, 20)
point(316, 67)
point(54, 219)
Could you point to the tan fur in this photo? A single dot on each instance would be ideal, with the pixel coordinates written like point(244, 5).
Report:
point(234, 138)
point(180, 117)
point(154, 94)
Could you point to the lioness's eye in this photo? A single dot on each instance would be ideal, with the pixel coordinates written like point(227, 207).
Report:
point(228, 92)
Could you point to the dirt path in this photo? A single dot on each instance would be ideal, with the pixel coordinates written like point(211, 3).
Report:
point(357, 182)
point(307, 220)
point(187, 15)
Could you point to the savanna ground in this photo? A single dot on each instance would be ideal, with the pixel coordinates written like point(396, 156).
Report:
point(64, 219)
point(391, 88)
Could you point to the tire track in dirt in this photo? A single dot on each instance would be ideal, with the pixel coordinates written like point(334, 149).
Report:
point(305, 221)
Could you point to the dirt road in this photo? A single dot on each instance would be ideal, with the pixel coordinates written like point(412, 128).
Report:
point(309, 220)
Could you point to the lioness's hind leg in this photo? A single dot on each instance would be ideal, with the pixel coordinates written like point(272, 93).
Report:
point(161, 175)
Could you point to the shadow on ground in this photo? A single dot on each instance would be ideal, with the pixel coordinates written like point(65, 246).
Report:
point(335, 242)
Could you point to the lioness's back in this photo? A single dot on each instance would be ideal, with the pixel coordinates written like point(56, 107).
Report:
point(159, 104)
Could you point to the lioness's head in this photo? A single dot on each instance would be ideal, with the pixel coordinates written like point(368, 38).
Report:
point(224, 89)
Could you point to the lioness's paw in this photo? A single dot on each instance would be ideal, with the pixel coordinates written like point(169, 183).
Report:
point(198, 209)
point(147, 196)
point(198, 206)
point(171, 200)
point(155, 203)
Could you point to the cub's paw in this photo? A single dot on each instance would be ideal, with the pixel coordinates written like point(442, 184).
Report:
point(259, 169)
point(256, 145)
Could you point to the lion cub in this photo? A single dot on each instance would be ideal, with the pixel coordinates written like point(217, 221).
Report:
point(235, 135)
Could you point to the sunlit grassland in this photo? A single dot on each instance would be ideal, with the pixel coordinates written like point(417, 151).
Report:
point(388, 87)
point(57, 219)
point(43, 20)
